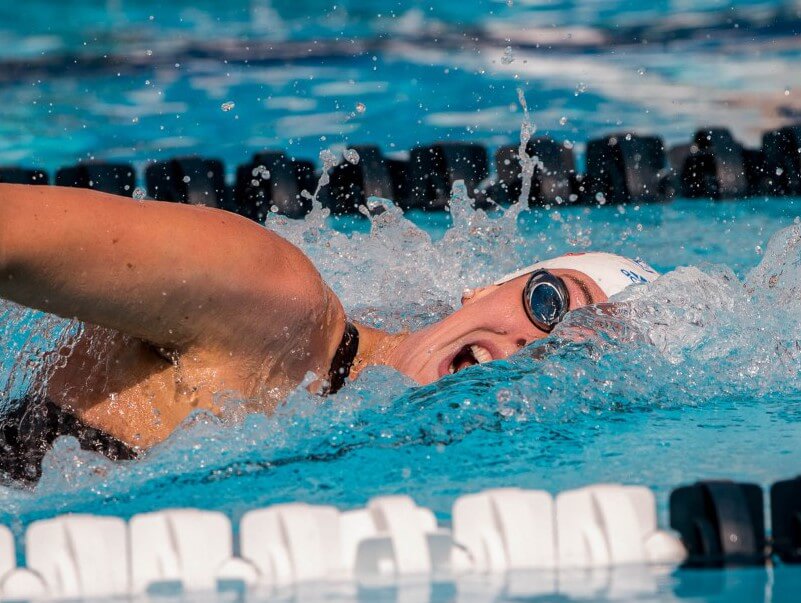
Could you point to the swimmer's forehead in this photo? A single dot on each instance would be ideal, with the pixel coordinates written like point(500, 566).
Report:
point(611, 272)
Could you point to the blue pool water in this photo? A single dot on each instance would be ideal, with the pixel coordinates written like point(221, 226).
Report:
point(695, 376)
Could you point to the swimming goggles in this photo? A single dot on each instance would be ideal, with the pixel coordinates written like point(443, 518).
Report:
point(545, 299)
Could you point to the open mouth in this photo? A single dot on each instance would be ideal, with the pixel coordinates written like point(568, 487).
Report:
point(469, 355)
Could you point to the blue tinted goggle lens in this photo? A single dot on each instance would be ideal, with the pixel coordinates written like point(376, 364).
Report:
point(546, 300)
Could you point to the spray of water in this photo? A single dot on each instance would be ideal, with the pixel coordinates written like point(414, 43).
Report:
point(527, 164)
point(691, 339)
point(696, 336)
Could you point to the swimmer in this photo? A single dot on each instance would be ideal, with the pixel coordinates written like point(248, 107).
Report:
point(184, 305)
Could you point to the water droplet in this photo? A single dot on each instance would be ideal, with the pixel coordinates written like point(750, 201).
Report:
point(507, 57)
point(187, 179)
point(274, 208)
point(562, 120)
point(787, 91)
point(758, 249)
point(779, 171)
point(255, 182)
point(139, 193)
point(149, 52)
point(328, 158)
point(361, 107)
point(351, 156)
point(261, 172)
point(227, 106)
point(600, 198)
point(641, 71)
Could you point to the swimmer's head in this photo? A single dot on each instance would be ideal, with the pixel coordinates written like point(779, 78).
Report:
point(493, 322)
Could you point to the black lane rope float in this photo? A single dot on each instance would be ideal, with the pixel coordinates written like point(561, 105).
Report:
point(620, 168)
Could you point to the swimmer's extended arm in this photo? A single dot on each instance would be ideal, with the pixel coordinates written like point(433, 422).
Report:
point(171, 274)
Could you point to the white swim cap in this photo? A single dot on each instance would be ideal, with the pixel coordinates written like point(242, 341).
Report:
point(612, 273)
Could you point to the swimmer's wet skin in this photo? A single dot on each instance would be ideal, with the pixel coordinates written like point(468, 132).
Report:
point(189, 301)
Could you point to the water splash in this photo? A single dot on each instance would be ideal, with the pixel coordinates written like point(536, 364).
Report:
point(351, 156)
point(527, 164)
point(315, 221)
point(613, 378)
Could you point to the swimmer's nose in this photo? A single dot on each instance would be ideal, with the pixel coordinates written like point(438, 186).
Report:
point(513, 344)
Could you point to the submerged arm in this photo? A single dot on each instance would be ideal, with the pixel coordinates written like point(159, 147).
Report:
point(174, 275)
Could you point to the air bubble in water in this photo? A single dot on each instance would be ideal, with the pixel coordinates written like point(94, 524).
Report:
point(139, 193)
point(641, 71)
point(507, 57)
point(351, 156)
point(600, 198)
point(227, 105)
point(187, 179)
point(562, 120)
point(361, 107)
point(581, 88)
point(787, 91)
point(779, 171)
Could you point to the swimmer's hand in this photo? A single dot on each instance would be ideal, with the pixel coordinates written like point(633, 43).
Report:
point(178, 276)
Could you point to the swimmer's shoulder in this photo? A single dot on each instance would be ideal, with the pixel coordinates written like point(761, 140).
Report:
point(289, 309)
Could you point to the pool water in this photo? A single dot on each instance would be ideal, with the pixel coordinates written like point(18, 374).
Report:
point(136, 81)
point(695, 376)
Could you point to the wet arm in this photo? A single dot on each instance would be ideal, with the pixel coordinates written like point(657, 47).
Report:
point(170, 274)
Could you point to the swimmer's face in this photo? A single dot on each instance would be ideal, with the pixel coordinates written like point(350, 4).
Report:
point(491, 324)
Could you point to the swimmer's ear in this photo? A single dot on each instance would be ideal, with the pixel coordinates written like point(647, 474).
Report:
point(471, 295)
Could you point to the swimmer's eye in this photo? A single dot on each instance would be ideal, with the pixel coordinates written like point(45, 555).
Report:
point(545, 299)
